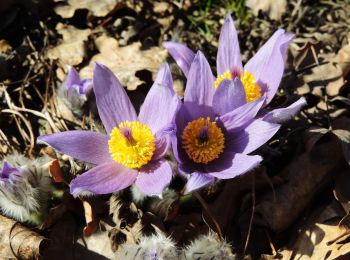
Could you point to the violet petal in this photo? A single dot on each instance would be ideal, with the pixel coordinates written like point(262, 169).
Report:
point(103, 179)
point(181, 54)
point(87, 146)
point(200, 82)
point(240, 164)
point(235, 120)
point(113, 103)
point(229, 56)
point(281, 115)
point(154, 177)
point(229, 95)
point(267, 65)
point(160, 105)
point(197, 181)
point(251, 137)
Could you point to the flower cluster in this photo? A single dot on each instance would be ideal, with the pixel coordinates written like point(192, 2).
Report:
point(212, 131)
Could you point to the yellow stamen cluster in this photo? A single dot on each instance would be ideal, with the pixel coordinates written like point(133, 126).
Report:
point(227, 75)
point(203, 140)
point(251, 88)
point(132, 144)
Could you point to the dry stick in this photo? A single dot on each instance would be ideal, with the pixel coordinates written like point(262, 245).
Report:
point(28, 125)
point(48, 81)
point(273, 249)
point(205, 207)
point(338, 237)
point(252, 215)
point(10, 105)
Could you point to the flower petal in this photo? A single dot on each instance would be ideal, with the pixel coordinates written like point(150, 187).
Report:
point(267, 64)
point(87, 146)
point(72, 79)
point(86, 86)
point(162, 146)
point(164, 77)
point(240, 164)
point(200, 82)
point(154, 177)
point(229, 95)
point(281, 115)
point(181, 54)
point(113, 104)
point(161, 103)
point(229, 55)
point(197, 181)
point(251, 137)
point(235, 120)
point(103, 179)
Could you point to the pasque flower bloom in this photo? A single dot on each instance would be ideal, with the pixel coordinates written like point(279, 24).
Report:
point(216, 129)
point(75, 91)
point(133, 149)
point(260, 76)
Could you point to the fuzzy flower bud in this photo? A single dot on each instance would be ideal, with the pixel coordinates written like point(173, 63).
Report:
point(24, 188)
point(155, 247)
point(208, 247)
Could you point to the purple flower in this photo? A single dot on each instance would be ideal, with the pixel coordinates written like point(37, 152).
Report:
point(73, 81)
point(260, 76)
point(75, 91)
point(9, 173)
point(215, 130)
point(133, 149)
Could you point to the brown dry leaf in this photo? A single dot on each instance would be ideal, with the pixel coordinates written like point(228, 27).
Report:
point(71, 50)
point(17, 241)
point(5, 46)
point(343, 59)
point(55, 171)
point(274, 8)
point(125, 61)
point(315, 239)
point(97, 8)
point(91, 221)
point(315, 168)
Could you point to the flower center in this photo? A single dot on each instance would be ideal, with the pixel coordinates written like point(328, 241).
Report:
point(203, 140)
point(132, 144)
point(251, 88)
point(226, 75)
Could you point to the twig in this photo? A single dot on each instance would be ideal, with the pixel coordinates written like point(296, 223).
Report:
point(206, 208)
point(273, 249)
point(252, 215)
point(338, 237)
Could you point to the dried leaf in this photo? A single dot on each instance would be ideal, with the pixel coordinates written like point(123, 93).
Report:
point(344, 137)
point(318, 238)
point(17, 241)
point(125, 61)
point(5, 46)
point(71, 50)
point(55, 171)
point(315, 168)
point(97, 8)
point(343, 59)
point(90, 219)
point(274, 9)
